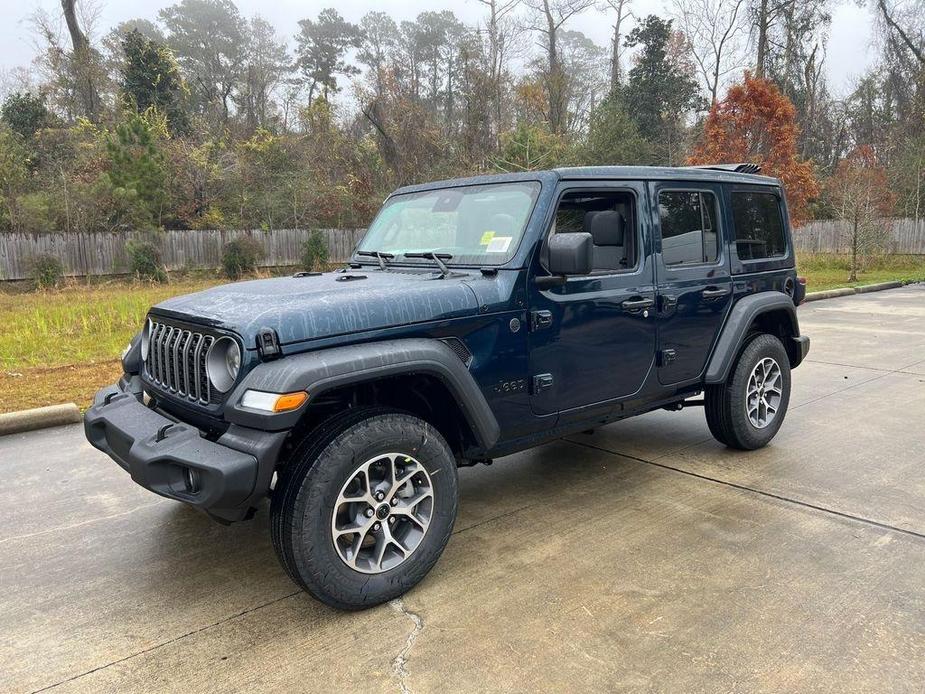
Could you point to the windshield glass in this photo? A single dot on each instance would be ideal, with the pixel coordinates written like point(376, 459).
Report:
point(477, 225)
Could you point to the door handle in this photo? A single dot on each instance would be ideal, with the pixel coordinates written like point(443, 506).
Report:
point(715, 292)
point(637, 303)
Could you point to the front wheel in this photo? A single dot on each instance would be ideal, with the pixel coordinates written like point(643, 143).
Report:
point(748, 410)
point(365, 509)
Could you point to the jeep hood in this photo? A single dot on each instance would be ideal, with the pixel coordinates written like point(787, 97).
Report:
point(314, 306)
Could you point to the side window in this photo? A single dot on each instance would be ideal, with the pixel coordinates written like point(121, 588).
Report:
point(759, 227)
point(610, 218)
point(688, 223)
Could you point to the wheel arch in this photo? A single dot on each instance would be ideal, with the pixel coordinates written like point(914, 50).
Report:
point(402, 373)
point(765, 312)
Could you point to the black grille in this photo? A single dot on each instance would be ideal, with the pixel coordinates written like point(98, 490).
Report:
point(177, 361)
point(459, 349)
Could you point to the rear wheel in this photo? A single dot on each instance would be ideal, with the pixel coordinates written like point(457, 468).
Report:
point(365, 508)
point(747, 411)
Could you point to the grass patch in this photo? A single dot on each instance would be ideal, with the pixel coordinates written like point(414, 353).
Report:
point(826, 271)
point(78, 324)
point(40, 386)
point(63, 345)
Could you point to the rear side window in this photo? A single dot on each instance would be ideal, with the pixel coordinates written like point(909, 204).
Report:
point(759, 228)
point(688, 223)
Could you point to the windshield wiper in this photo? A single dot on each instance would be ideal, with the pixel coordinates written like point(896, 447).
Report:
point(436, 257)
point(380, 256)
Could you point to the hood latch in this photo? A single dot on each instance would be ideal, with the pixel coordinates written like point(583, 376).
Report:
point(268, 344)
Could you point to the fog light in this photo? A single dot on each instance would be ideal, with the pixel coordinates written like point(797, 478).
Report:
point(273, 402)
point(191, 480)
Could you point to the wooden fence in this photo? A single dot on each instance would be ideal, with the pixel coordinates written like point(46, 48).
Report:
point(104, 253)
point(900, 236)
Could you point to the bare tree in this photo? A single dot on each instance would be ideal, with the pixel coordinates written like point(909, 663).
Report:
point(861, 195)
point(765, 14)
point(713, 29)
point(549, 16)
point(907, 36)
point(621, 7)
point(498, 31)
point(16, 79)
point(82, 59)
point(75, 74)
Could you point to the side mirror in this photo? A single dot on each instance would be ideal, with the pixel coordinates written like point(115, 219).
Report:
point(570, 254)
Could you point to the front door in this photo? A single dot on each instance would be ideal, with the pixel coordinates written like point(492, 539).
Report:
point(592, 338)
point(694, 283)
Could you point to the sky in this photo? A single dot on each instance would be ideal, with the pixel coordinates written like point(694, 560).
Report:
point(850, 48)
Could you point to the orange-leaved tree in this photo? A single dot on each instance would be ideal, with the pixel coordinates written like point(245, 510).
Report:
point(859, 191)
point(756, 123)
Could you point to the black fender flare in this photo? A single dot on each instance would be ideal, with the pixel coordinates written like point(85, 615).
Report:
point(735, 329)
point(326, 369)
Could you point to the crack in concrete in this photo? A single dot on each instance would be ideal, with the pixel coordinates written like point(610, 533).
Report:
point(400, 661)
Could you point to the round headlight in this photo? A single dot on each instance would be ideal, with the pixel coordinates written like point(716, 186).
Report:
point(223, 363)
point(145, 340)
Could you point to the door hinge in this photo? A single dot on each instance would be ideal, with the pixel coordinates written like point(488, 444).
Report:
point(667, 302)
point(666, 356)
point(540, 320)
point(542, 382)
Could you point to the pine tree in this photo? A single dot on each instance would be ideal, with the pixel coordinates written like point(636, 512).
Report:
point(151, 78)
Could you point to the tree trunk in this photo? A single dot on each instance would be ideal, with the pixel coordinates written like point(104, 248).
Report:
point(556, 80)
point(853, 277)
point(494, 75)
point(389, 148)
point(762, 43)
point(615, 51)
point(910, 44)
point(82, 62)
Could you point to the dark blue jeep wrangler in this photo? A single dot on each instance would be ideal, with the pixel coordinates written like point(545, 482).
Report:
point(478, 317)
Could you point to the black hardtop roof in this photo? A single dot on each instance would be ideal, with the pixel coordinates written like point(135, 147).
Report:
point(659, 173)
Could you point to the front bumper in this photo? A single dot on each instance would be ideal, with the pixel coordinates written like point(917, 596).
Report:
point(227, 478)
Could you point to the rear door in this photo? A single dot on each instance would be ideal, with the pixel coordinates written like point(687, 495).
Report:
point(694, 285)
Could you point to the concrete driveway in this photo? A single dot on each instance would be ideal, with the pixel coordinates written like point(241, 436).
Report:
point(644, 557)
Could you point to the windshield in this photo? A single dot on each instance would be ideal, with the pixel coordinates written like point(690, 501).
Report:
point(476, 225)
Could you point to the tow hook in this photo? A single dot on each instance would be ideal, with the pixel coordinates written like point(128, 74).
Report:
point(162, 433)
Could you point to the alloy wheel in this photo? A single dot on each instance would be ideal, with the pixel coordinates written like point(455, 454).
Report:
point(382, 513)
point(764, 392)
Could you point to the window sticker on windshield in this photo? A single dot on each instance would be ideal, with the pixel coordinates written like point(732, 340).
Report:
point(486, 238)
point(499, 244)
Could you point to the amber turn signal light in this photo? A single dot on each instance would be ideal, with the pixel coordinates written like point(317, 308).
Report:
point(273, 402)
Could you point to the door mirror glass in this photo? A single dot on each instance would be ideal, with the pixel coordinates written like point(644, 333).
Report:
point(571, 254)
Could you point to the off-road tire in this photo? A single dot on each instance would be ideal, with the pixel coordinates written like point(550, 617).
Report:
point(306, 491)
point(725, 404)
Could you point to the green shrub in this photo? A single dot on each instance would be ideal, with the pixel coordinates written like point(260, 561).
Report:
point(241, 256)
point(315, 251)
point(145, 261)
point(47, 271)
point(34, 213)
